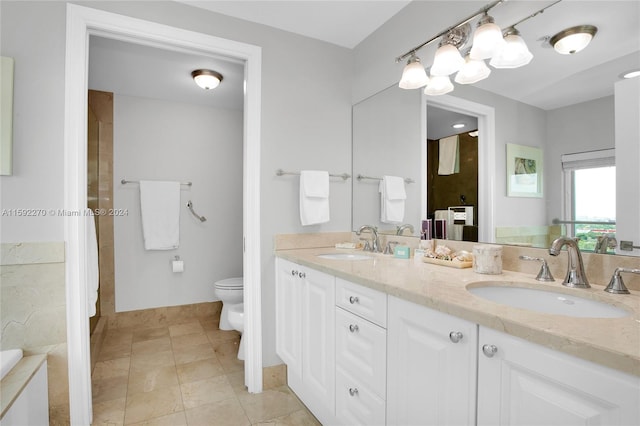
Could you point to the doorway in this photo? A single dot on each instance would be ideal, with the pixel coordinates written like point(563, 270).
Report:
point(81, 23)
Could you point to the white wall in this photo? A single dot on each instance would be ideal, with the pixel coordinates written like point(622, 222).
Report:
point(588, 126)
point(159, 140)
point(306, 120)
point(627, 137)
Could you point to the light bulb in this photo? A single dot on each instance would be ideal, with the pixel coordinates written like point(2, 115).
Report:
point(487, 39)
point(447, 60)
point(413, 76)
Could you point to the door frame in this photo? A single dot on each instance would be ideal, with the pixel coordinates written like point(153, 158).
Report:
point(486, 157)
point(81, 23)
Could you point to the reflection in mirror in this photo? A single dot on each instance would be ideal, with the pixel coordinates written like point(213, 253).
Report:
point(387, 140)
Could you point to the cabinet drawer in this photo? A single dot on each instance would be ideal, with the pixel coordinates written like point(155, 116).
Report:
point(365, 302)
point(356, 404)
point(361, 350)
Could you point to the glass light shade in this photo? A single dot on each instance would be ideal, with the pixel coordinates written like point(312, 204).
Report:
point(447, 61)
point(487, 39)
point(572, 43)
point(206, 79)
point(414, 76)
point(472, 71)
point(513, 55)
point(438, 85)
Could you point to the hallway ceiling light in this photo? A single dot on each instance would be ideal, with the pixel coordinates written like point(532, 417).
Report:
point(414, 75)
point(458, 125)
point(206, 79)
point(631, 74)
point(574, 39)
point(514, 53)
point(506, 50)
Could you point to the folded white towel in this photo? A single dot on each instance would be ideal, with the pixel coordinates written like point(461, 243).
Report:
point(392, 199)
point(160, 211)
point(92, 265)
point(314, 197)
point(448, 156)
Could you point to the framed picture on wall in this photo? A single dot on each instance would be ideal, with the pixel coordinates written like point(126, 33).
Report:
point(524, 171)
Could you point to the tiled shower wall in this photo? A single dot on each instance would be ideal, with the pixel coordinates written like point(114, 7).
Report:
point(33, 312)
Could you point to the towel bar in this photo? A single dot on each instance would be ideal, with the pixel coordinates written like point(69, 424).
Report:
point(281, 172)
point(360, 177)
point(124, 182)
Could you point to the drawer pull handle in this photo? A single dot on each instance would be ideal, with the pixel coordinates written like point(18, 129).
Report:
point(353, 391)
point(455, 336)
point(489, 350)
point(353, 328)
point(353, 300)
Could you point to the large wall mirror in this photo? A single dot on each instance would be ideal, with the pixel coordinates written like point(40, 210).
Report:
point(390, 134)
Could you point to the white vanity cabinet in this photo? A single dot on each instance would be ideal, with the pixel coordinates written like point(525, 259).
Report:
point(431, 373)
point(305, 325)
point(522, 383)
point(361, 354)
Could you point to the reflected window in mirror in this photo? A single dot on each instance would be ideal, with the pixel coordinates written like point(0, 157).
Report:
point(590, 205)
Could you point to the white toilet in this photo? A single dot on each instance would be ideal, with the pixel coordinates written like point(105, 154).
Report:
point(236, 319)
point(231, 292)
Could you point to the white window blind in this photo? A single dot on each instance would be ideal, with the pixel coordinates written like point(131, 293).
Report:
point(589, 159)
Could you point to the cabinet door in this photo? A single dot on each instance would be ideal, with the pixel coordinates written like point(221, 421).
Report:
point(431, 380)
point(288, 317)
point(356, 404)
point(318, 341)
point(361, 350)
point(526, 384)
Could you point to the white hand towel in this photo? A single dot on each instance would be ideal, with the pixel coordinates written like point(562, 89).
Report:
point(448, 156)
point(392, 199)
point(160, 211)
point(314, 197)
point(92, 270)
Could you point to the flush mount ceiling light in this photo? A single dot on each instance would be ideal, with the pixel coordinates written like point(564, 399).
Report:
point(206, 79)
point(414, 75)
point(458, 125)
point(506, 50)
point(574, 39)
point(631, 74)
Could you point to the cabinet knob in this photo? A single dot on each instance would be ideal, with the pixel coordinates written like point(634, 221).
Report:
point(294, 273)
point(353, 328)
point(353, 391)
point(353, 299)
point(489, 350)
point(302, 274)
point(455, 336)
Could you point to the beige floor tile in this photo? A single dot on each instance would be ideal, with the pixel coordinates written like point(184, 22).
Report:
point(151, 346)
point(152, 379)
point(185, 340)
point(186, 354)
point(222, 413)
point(112, 338)
point(148, 405)
point(227, 353)
point(297, 418)
point(193, 327)
point(149, 361)
point(210, 323)
point(114, 351)
point(109, 389)
point(174, 419)
point(111, 368)
point(236, 380)
point(109, 412)
point(269, 404)
point(217, 336)
point(150, 333)
point(199, 370)
point(206, 391)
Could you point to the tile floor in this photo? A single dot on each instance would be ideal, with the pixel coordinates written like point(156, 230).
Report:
point(185, 374)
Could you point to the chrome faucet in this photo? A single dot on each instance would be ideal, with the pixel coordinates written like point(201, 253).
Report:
point(604, 242)
point(576, 276)
point(375, 243)
point(400, 229)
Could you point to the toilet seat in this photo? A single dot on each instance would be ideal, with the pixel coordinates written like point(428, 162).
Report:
point(230, 283)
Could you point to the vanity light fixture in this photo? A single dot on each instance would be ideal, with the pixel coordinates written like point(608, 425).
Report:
point(206, 79)
point(574, 39)
point(505, 49)
point(414, 75)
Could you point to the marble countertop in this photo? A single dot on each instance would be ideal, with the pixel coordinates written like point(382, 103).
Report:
point(613, 342)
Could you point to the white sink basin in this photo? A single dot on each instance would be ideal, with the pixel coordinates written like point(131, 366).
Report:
point(548, 302)
point(344, 256)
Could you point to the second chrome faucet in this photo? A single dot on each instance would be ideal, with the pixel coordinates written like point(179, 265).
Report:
point(576, 276)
